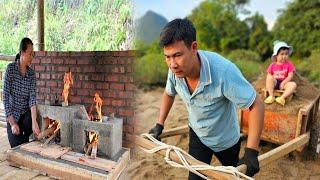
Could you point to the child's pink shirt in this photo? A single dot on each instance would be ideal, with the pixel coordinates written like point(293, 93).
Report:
point(281, 71)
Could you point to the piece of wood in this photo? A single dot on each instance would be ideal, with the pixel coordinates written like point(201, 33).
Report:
point(51, 151)
point(175, 131)
point(94, 149)
point(98, 163)
point(280, 151)
point(63, 170)
point(147, 144)
point(47, 132)
point(121, 165)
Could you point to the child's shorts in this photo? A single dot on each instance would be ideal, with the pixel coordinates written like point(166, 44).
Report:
point(278, 84)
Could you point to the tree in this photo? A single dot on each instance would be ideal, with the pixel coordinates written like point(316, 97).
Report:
point(260, 37)
point(299, 25)
point(218, 27)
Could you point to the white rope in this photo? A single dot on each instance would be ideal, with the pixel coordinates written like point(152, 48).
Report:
point(185, 164)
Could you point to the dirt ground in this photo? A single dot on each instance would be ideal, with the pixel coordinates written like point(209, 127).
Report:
point(153, 166)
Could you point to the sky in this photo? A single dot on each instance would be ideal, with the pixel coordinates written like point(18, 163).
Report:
point(173, 8)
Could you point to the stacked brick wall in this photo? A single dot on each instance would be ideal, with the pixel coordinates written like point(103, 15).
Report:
point(110, 74)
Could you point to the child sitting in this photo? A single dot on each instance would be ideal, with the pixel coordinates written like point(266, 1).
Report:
point(280, 73)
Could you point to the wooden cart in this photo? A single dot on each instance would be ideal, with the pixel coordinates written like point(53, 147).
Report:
point(292, 133)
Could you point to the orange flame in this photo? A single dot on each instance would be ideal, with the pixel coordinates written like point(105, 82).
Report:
point(67, 81)
point(98, 102)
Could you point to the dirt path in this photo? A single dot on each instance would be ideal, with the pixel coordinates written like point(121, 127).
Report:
point(146, 166)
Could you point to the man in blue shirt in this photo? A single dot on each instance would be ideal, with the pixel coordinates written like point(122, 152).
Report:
point(211, 87)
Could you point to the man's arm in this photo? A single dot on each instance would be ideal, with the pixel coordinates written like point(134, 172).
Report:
point(166, 104)
point(256, 118)
point(35, 126)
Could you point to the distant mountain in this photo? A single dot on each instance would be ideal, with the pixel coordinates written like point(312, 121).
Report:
point(149, 26)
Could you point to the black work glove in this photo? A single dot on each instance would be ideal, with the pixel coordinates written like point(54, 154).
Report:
point(250, 159)
point(156, 131)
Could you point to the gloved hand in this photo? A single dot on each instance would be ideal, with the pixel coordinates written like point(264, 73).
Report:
point(156, 131)
point(250, 159)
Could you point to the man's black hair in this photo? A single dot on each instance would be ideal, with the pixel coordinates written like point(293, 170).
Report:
point(177, 30)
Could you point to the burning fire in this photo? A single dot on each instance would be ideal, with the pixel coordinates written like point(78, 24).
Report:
point(67, 81)
point(98, 105)
point(98, 102)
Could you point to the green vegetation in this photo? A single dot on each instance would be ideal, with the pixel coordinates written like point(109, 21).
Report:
point(248, 43)
point(70, 25)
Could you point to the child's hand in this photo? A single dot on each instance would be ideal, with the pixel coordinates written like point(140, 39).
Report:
point(282, 85)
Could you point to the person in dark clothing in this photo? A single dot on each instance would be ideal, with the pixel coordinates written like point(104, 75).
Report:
point(20, 96)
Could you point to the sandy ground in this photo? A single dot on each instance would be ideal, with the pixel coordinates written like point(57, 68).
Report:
point(153, 166)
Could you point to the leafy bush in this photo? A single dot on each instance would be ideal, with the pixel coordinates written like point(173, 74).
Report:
point(70, 25)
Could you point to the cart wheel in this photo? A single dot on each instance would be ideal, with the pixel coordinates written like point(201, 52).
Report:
point(314, 136)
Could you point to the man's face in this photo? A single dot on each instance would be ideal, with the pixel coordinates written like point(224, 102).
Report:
point(180, 58)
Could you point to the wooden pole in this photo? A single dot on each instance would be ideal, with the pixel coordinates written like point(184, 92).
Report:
point(175, 131)
point(7, 57)
point(147, 144)
point(40, 8)
point(280, 151)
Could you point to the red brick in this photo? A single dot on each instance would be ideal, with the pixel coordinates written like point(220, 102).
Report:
point(109, 110)
point(106, 101)
point(122, 61)
point(126, 112)
point(40, 97)
point(112, 78)
point(37, 75)
point(83, 77)
point(126, 79)
point(88, 54)
point(39, 68)
point(51, 84)
point(87, 100)
point(44, 90)
point(88, 69)
point(122, 69)
point(77, 84)
point(45, 61)
point(52, 53)
point(97, 77)
point(88, 85)
point(41, 83)
point(56, 91)
point(75, 54)
point(118, 103)
point(44, 76)
point(57, 76)
point(117, 86)
point(129, 87)
point(115, 70)
point(125, 95)
point(110, 60)
point(57, 61)
point(40, 53)
point(75, 69)
point(83, 61)
point(102, 68)
point(75, 99)
point(70, 61)
point(63, 69)
point(102, 85)
point(82, 92)
point(36, 61)
point(110, 94)
point(129, 69)
point(64, 54)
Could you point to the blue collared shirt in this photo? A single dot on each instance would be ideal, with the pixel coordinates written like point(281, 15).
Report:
point(212, 106)
point(19, 91)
